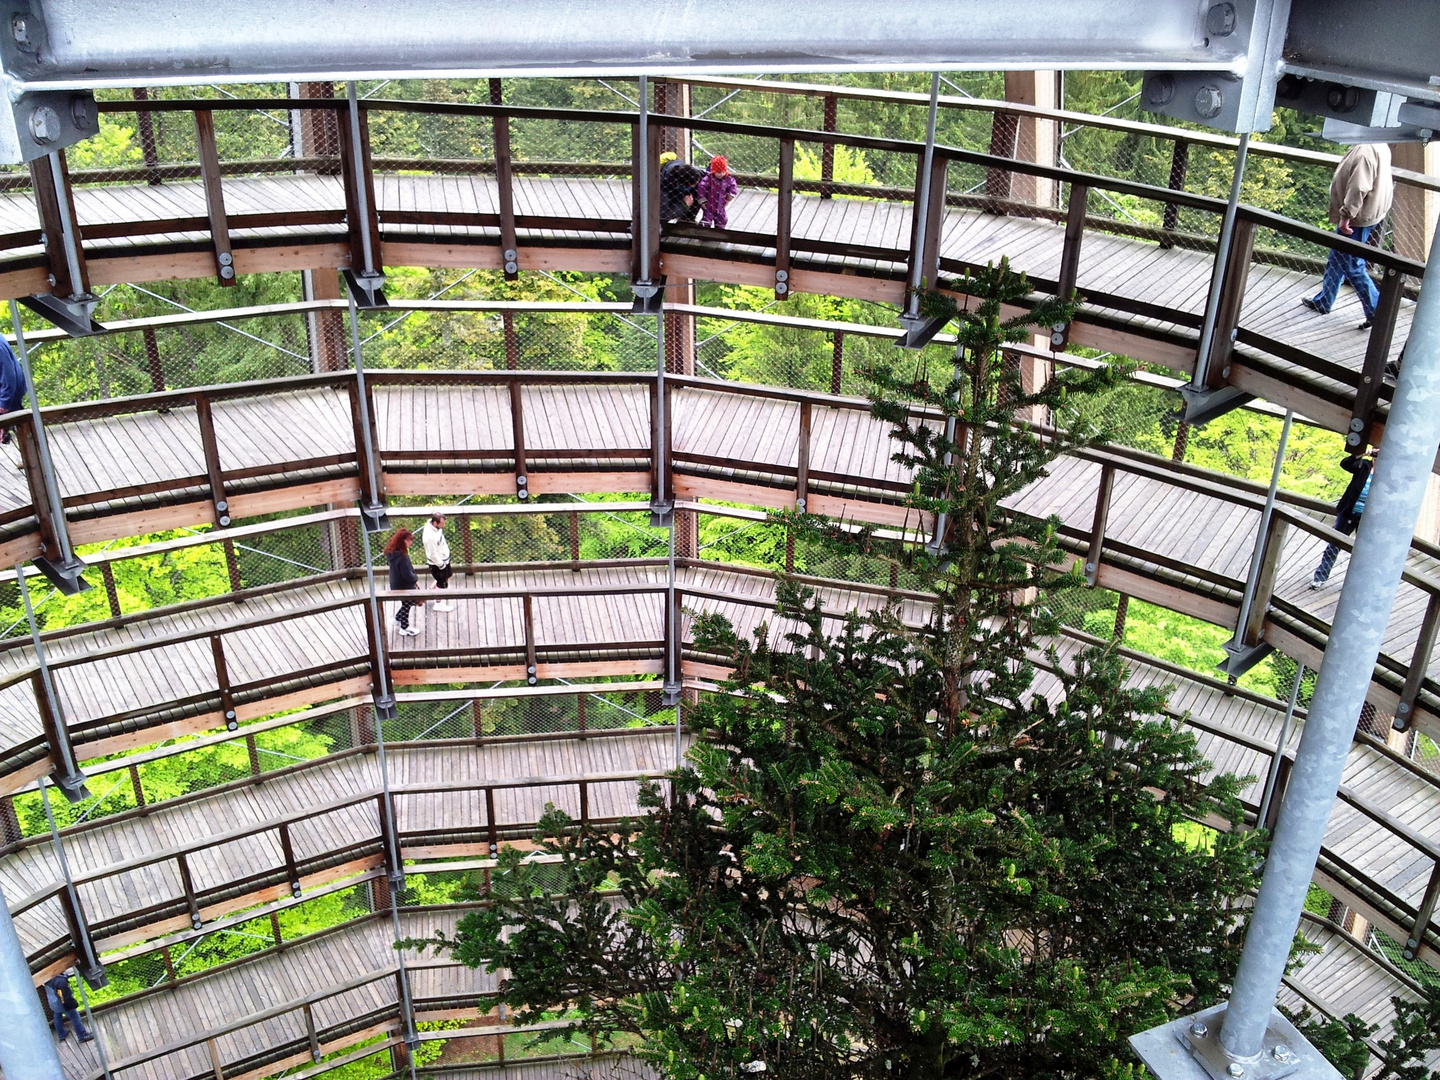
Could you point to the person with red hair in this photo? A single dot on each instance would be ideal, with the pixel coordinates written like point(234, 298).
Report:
point(716, 190)
point(402, 576)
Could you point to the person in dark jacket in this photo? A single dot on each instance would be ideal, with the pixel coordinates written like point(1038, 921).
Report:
point(402, 576)
point(1347, 510)
point(678, 183)
point(61, 1001)
point(12, 384)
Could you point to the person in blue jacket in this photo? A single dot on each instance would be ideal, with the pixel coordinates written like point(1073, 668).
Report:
point(1347, 510)
point(63, 1006)
point(12, 384)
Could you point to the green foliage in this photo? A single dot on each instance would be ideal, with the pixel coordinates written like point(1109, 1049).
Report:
point(891, 857)
point(1414, 1040)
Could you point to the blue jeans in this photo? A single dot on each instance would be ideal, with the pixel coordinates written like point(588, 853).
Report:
point(1344, 523)
point(1350, 268)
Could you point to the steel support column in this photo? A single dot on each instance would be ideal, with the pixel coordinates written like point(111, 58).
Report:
point(1248, 1024)
point(27, 1049)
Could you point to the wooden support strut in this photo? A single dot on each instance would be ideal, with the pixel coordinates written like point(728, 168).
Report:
point(187, 883)
point(1377, 354)
point(46, 513)
point(532, 667)
point(353, 217)
point(517, 428)
point(1419, 663)
point(1070, 255)
point(505, 187)
point(287, 848)
point(827, 149)
point(51, 209)
point(1277, 794)
point(659, 482)
point(1423, 915)
point(1179, 166)
point(213, 471)
point(1272, 550)
point(222, 680)
point(837, 361)
point(1235, 273)
point(368, 470)
point(490, 828)
point(783, 209)
point(929, 237)
point(1097, 528)
point(214, 196)
point(802, 460)
point(57, 735)
point(310, 1034)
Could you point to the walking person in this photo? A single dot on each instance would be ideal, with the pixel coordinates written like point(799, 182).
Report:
point(402, 576)
point(1347, 510)
point(437, 554)
point(12, 385)
point(62, 1004)
point(715, 192)
point(1361, 192)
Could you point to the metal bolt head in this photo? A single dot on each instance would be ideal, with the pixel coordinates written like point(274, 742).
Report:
point(512, 268)
point(1220, 20)
point(83, 112)
point(20, 29)
point(44, 124)
point(1236, 1070)
point(1159, 89)
point(1209, 101)
point(227, 272)
point(1199, 1030)
point(1282, 1053)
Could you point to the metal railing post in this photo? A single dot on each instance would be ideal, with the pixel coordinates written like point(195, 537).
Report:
point(65, 573)
point(911, 314)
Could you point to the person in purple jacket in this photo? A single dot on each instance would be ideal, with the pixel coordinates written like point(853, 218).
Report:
point(715, 191)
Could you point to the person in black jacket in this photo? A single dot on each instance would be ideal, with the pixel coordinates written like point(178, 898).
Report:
point(402, 576)
point(61, 1000)
point(12, 384)
point(678, 183)
point(1347, 510)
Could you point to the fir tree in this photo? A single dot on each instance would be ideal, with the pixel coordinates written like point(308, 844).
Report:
point(897, 851)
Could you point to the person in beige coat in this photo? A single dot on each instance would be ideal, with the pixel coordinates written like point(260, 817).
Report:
point(1360, 196)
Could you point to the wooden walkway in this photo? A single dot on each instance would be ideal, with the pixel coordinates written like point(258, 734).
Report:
point(1142, 275)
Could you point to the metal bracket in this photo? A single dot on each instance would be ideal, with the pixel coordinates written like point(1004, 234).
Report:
point(670, 694)
point(65, 576)
point(74, 315)
point(72, 785)
point(920, 332)
point(649, 297)
point(1202, 406)
point(662, 515)
point(1241, 658)
point(374, 517)
point(385, 707)
point(367, 289)
point(1189, 1049)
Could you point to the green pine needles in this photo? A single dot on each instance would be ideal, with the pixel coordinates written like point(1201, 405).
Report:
point(904, 846)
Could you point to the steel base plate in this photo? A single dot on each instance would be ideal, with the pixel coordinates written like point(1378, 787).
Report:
point(1189, 1049)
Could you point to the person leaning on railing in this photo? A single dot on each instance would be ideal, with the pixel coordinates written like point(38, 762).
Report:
point(1361, 192)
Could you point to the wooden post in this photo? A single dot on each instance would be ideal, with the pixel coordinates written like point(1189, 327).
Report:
point(1182, 441)
point(187, 883)
point(827, 149)
point(1377, 353)
point(1122, 609)
point(505, 187)
point(584, 803)
point(215, 1064)
point(1419, 662)
point(214, 196)
point(218, 502)
point(367, 495)
point(512, 347)
point(57, 734)
point(783, 208)
point(575, 541)
point(222, 680)
point(310, 1034)
point(532, 667)
point(929, 237)
point(47, 515)
point(232, 564)
point(1037, 139)
point(837, 361)
point(490, 828)
point(467, 540)
point(802, 460)
point(53, 213)
point(1277, 795)
point(580, 712)
point(517, 429)
point(354, 222)
point(145, 128)
point(1004, 129)
point(1236, 272)
point(112, 594)
point(152, 360)
point(1423, 915)
point(1070, 253)
point(1179, 166)
point(1097, 527)
point(1270, 554)
point(287, 848)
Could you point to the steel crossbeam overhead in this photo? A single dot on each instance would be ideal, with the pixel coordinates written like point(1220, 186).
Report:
point(1215, 61)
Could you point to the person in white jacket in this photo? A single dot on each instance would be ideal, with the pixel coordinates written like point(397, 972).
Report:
point(437, 554)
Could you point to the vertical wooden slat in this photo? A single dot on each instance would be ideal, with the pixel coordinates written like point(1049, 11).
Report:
point(837, 361)
point(214, 196)
point(575, 541)
point(783, 209)
point(145, 128)
point(45, 512)
point(1074, 236)
point(1419, 663)
point(517, 428)
point(802, 459)
point(532, 667)
point(1097, 527)
point(232, 564)
point(1277, 796)
point(369, 493)
point(934, 223)
point(505, 187)
point(287, 848)
point(1423, 914)
point(51, 208)
point(152, 360)
point(512, 346)
point(1270, 554)
point(355, 221)
point(222, 679)
point(490, 827)
point(187, 883)
point(252, 751)
point(1377, 354)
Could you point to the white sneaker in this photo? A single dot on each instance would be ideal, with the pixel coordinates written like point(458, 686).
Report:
point(444, 605)
point(1316, 584)
point(410, 633)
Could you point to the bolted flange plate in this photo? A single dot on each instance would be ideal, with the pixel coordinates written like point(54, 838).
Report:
point(1177, 1051)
